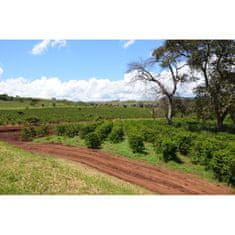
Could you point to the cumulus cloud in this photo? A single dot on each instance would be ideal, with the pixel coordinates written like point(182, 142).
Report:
point(128, 43)
point(1, 71)
point(45, 44)
point(92, 89)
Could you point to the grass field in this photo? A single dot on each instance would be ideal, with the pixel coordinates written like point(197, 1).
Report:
point(22, 172)
point(27, 103)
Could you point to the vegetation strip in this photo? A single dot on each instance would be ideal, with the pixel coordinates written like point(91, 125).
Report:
point(154, 178)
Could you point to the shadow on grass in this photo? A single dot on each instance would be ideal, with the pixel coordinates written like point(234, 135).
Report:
point(194, 126)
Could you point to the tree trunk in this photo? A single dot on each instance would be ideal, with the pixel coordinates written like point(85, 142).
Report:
point(218, 113)
point(219, 121)
point(170, 110)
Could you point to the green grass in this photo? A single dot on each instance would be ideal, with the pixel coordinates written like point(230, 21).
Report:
point(26, 103)
point(22, 172)
point(150, 156)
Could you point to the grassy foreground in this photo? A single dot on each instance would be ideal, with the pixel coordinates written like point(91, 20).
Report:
point(22, 172)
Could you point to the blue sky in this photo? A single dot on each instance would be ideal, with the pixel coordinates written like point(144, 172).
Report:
point(79, 70)
point(77, 59)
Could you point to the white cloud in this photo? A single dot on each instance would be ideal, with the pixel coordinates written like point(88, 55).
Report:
point(92, 89)
point(45, 44)
point(1, 71)
point(128, 43)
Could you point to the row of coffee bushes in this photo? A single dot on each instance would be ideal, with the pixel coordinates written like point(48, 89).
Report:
point(94, 133)
point(215, 151)
point(28, 133)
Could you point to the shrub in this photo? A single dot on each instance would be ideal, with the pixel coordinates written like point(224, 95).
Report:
point(28, 133)
point(184, 142)
point(72, 130)
point(42, 131)
point(159, 139)
point(61, 130)
point(92, 140)
point(68, 130)
point(104, 129)
point(202, 150)
point(169, 151)
point(192, 126)
point(148, 135)
point(86, 129)
point(223, 166)
point(33, 120)
point(136, 143)
point(117, 134)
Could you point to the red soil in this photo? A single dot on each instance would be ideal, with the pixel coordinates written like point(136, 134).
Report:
point(155, 178)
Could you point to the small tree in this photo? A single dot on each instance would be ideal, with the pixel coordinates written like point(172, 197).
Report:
point(171, 64)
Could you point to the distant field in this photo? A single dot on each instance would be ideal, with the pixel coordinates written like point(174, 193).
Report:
point(73, 114)
point(28, 104)
point(22, 172)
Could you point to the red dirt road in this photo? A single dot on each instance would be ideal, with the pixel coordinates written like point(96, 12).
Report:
point(156, 179)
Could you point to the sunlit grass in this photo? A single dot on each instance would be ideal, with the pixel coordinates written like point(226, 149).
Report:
point(22, 172)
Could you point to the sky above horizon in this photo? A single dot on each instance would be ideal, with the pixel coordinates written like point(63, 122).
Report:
point(71, 59)
point(84, 70)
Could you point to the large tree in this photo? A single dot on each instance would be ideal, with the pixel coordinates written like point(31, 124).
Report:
point(215, 61)
point(172, 66)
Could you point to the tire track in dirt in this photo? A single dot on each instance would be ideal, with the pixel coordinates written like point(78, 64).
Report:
point(155, 178)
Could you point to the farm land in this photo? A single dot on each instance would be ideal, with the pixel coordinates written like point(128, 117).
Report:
point(189, 148)
point(169, 145)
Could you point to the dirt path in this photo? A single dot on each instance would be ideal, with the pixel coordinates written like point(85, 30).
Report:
point(154, 178)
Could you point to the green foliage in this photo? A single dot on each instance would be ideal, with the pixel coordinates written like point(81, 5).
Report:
point(69, 130)
point(61, 130)
point(73, 114)
point(28, 133)
point(42, 131)
point(104, 129)
point(223, 166)
point(158, 143)
point(34, 120)
point(148, 134)
point(117, 134)
point(136, 143)
point(202, 150)
point(184, 142)
point(169, 151)
point(72, 130)
point(92, 140)
point(86, 129)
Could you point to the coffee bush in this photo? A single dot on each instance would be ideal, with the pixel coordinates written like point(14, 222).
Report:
point(116, 135)
point(28, 133)
point(92, 140)
point(223, 166)
point(86, 129)
point(169, 151)
point(136, 143)
point(42, 131)
point(104, 129)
